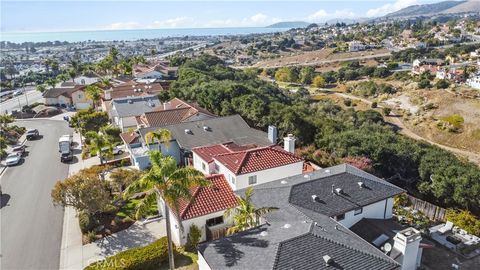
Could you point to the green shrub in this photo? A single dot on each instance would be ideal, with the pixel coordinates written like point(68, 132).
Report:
point(193, 238)
point(85, 221)
point(465, 220)
point(386, 111)
point(442, 84)
point(142, 258)
point(374, 104)
point(455, 120)
point(347, 102)
point(425, 83)
point(91, 236)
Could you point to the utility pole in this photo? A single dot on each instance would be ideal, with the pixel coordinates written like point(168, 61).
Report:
point(25, 93)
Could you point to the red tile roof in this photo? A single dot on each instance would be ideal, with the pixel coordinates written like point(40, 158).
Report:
point(206, 200)
point(172, 112)
point(208, 152)
point(130, 137)
point(128, 89)
point(257, 159)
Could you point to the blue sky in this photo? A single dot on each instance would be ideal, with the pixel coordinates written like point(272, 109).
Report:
point(19, 16)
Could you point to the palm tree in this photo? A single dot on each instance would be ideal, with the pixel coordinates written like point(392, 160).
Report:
point(246, 215)
point(41, 88)
point(98, 143)
point(93, 93)
point(165, 184)
point(72, 73)
point(160, 136)
point(51, 82)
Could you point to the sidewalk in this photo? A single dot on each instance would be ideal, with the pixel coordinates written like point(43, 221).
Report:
point(74, 255)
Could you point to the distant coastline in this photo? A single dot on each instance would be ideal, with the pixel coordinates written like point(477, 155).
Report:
point(135, 34)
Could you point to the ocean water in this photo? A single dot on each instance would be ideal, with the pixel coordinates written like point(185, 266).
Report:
point(110, 35)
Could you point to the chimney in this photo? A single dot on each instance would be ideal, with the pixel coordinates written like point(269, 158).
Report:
point(272, 134)
point(167, 106)
point(289, 143)
point(407, 242)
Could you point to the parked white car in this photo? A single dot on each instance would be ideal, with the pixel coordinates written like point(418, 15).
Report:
point(13, 159)
point(116, 150)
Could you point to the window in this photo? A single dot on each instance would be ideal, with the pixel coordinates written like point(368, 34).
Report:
point(232, 179)
point(217, 168)
point(203, 166)
point(340, 217)
point(252, 180)
point(358, 211)
point(214, 221)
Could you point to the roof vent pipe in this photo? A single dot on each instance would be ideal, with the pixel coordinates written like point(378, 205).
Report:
point(328, 260)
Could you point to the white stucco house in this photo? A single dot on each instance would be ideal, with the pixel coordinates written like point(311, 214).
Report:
point(474, 82)
point(67, 96)
point(245, 166)
point(205, 210)
point(333, 218)
point(191, 134)
point(124, 111)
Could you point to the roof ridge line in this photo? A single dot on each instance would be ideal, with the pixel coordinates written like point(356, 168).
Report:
point(194, 195)
point(351, 248)
point(237, 171)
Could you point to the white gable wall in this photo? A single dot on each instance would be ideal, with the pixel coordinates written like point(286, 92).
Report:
point(180, 238)
point(241, 181)
point(378, 210)
point(202, 263)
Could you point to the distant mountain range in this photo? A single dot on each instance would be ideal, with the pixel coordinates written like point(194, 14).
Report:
point(440, 8)
point(302, 24)
point(445, 7)
point(296, 24)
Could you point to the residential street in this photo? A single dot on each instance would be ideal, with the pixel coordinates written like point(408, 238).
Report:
point(13, 103)
point(31, 227)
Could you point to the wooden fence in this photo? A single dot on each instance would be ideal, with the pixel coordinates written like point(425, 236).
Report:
point(432, 211)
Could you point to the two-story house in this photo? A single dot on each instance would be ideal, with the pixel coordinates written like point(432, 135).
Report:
point(311, 228)
point(205, 209)
point(246, 165)
point(124, 111)
point(67, 96)
point(188, 135)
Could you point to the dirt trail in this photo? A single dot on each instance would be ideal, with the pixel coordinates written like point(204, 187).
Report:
point(395, 120)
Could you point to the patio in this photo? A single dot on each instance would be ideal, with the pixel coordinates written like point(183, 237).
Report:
point(456, 239)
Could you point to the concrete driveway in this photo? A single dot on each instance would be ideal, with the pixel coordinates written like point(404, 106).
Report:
point(31, 227)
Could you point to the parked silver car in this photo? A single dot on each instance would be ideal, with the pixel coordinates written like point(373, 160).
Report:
point(13, 159)
point(20, 149)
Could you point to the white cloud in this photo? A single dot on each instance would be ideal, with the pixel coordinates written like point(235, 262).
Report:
point(388, 8)
point(258, 19)
point(322, 15)
point(173, 23)
point(124, 25)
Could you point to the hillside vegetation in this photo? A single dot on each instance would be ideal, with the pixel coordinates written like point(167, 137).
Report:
point(425, 170)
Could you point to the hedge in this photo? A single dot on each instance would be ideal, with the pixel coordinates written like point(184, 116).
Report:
point(142, 258)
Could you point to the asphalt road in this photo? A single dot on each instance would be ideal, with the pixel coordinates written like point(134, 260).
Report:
point(20, 101)
point(31, 227)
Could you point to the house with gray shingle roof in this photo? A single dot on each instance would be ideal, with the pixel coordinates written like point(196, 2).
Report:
point(310, 229)
point(124, 111)
point(188, 135)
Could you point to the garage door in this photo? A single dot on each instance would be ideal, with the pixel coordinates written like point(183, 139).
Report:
point(81, 106)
